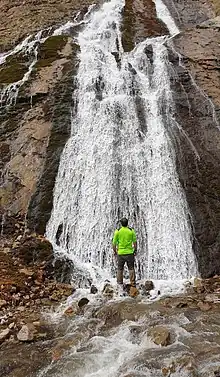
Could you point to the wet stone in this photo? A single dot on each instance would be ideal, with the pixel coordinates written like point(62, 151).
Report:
point(148, 285)
point(84, 301)
point(93, 289)
point(159, 335)
point(108, 290)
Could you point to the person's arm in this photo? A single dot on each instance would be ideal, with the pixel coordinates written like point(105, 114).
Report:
point(134, 242)
point(115, 242)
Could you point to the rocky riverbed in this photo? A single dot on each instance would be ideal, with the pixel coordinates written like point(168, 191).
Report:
point(50, 326)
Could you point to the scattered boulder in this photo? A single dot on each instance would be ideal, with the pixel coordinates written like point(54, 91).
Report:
point(60, 268)
point(204, 306)
point(83, 301)
point(148, 285)
point(108, 290)
point(160, 335)
point(34, 249)
point(93, 289)
point(26, 334)
point(198, 285)
point(65, 289)
point(4, 334)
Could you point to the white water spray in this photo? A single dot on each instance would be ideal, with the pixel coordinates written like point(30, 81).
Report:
point(120, 159)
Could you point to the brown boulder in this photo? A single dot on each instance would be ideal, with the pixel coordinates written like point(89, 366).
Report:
point(26, 333)
point(148, 285)
point(3, 303)
point(34, 249)
point(65, 289)
point(159, 335)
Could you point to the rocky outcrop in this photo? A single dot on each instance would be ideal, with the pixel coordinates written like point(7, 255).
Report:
point(140, 22)
point(35, 130)
point(20, 19)
point(197, 97)
point(189, 13)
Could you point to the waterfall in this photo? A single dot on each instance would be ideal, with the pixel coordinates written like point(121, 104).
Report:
point(120, 159)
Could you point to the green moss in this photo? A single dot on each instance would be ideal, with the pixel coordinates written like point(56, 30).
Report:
point(12, 73)
point(49, 50)
point(17, 58)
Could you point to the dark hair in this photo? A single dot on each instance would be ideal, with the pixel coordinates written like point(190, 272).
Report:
point(124, 221)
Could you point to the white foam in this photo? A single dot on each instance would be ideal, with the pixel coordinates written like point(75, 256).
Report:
point(164, 14)
point(120, 159)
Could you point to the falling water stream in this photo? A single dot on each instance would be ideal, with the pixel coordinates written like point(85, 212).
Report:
point(120, 159)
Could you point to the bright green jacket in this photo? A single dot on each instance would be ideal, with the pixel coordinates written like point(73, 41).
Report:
point(124, 239)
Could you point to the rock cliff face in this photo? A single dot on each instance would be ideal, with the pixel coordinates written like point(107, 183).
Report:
point(22, 18)
point(35, 129)
point(139, 24)
point(40, 116)
point(197, 95)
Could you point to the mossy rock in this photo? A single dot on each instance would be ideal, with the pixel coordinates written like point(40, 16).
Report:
point(17, 58)
point(50, 50)
point(12, 73)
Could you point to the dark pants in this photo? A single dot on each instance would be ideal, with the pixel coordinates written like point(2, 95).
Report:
point(129, 260)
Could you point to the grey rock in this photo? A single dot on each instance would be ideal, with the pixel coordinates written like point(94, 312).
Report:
point(26, 334)
point(4, 334)
point(93, 289)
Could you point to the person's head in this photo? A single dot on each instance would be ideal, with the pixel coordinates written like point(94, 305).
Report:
point(124, 221)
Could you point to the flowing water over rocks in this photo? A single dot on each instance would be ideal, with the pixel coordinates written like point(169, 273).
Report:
point(120, 159)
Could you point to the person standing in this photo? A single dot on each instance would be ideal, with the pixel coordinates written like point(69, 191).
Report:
point(125, 248)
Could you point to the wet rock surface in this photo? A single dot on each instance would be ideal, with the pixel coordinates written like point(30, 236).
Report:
point(196, 94)
point(189, 13)
point(20, 19)
point(170, 336)
point(167, 334)
point(34, 130)
point(139, 24)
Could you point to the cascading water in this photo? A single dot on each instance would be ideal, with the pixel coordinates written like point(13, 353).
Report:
point(120, 159)
point(29, 49)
